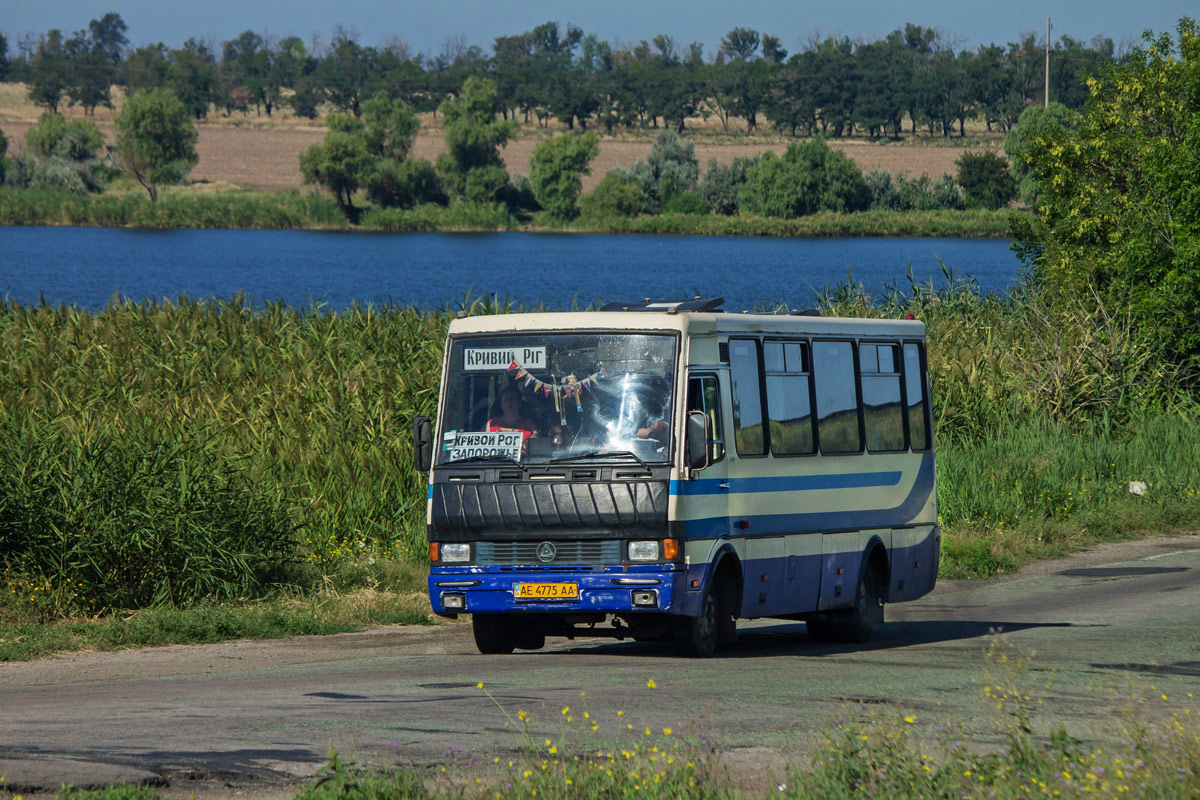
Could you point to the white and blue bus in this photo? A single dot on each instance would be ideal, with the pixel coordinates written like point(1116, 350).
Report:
point(659, 470)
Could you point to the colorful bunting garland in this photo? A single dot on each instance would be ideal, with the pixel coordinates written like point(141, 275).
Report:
point(569, 386)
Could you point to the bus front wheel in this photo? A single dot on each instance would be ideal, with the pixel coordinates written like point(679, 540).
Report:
point(853, 624)
point(698, 636)
point(495, 634)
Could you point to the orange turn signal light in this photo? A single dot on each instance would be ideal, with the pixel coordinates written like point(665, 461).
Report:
point(670, 549)
point(433, 554)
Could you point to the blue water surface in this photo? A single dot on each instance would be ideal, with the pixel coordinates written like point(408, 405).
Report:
point(86, 267)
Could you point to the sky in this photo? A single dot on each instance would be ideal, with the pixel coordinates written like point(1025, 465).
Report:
point(428, 26)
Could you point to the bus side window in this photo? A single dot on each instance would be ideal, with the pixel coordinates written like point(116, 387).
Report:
point(788, 405)
point(745, 374)
point(918, 406)
point(837, 397)
point(705, 395)
point(882, 415)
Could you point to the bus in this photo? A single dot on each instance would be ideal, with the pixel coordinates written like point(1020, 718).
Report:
point(659, 470)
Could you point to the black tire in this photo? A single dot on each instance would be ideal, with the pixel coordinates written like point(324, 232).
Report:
point(727, 635)
point(855, 624)
point(531, 641)
point(697, 636)
point(494, 634)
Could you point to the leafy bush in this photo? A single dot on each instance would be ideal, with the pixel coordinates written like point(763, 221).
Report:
point(943, 194)
point(404, 184)
point(518, 195)
point(670, 168)
point(902, 193)
point(615, 196)
point(685, 203)
point(721, 184)
point(985, 180)
point(60, 175)
point(807, 178)
point(55, 137)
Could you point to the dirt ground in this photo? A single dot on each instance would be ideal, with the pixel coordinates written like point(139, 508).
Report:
point(258, 153)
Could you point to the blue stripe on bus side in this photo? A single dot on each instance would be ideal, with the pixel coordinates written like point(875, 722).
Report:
point(789, 483)
point(816, 521)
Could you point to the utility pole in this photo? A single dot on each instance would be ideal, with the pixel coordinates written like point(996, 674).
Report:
point(1046, 103)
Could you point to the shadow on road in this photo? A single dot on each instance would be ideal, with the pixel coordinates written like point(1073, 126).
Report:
point(790, 638)
point(1190, 669)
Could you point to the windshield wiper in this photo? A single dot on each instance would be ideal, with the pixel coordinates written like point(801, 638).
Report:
point(470, 459)
point(601, 454)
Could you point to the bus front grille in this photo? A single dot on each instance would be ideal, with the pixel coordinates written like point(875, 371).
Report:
point(579, 552)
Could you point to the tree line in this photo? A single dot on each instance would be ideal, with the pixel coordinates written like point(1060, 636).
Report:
point(833, 86)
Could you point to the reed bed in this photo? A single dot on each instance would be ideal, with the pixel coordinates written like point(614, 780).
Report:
point(233, 209)
point(167, 454)
point(959, 224)
point(179, 208)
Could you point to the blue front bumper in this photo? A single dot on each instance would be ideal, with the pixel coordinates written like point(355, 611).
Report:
point(602, 590)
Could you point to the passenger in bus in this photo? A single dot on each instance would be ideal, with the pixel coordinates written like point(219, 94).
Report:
point(512, 417)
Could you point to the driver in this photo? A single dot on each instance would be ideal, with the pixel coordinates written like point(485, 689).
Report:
point(511, 418)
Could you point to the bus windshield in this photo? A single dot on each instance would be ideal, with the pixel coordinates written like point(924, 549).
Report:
point(535, 398)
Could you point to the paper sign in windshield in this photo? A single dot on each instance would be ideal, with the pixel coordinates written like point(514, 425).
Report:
point(494, 444)
point(476, 359)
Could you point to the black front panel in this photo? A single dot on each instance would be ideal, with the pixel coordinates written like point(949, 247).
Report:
point(468, 509)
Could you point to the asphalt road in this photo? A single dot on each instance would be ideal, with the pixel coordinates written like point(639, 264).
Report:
point(258, 718)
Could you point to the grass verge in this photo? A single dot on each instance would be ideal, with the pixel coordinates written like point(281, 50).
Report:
point(22, 639)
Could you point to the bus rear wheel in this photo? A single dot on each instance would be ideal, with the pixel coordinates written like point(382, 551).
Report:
point(495, 634)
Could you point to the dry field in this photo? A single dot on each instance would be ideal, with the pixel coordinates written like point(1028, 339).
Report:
point(263, 154)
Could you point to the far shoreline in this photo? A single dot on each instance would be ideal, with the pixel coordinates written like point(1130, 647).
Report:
point(179, 208)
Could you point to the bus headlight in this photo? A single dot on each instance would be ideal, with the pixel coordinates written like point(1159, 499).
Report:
point(454, 553)
point(643, 551)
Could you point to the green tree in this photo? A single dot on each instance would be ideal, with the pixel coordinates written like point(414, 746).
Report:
point(390, 127)
point(107, 39)
point(48, 73)
point(986, 180)
point(472, 168)
point(155, 139)
point(1051, 123)
point(3, 156)
point(146, 68)
point(557, 169)
point(90, 74)
point(1118, 209)
point(339, 161)
point(191, 76)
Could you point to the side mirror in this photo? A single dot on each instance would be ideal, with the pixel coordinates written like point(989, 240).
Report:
point(697, 436)
point(422, 443)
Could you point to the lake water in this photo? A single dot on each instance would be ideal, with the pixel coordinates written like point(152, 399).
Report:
point(85, 267)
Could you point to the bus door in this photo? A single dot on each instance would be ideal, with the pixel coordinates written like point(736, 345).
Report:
point(710, 502)
point(755, 508)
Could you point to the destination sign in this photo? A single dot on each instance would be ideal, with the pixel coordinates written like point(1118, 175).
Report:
point(478, 359)
point(498, 444)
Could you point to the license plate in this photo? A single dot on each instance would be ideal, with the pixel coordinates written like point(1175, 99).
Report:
point(546, 591)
